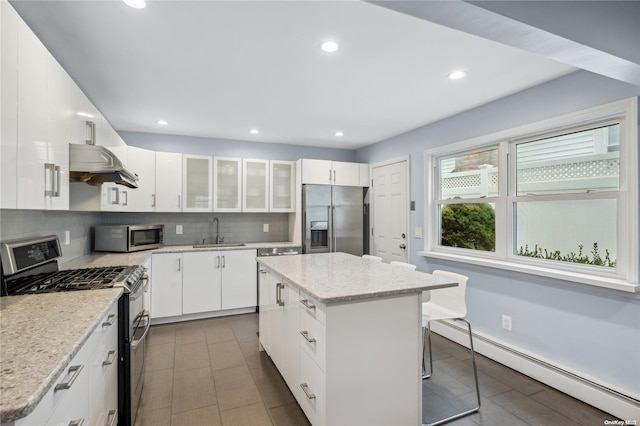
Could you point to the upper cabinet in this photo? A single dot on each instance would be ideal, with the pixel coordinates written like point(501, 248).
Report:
point(168, 182)
point(197, 179)
point(85, 117)
point(227, 188)
point(282, 184)
point(9, 107)
point(324, 172)
point(255, 185)
point(143, 163)
point(43, 126)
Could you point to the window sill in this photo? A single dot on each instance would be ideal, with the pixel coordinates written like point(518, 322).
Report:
point(593, 280)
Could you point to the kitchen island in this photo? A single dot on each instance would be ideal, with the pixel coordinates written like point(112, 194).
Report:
point(345, 333)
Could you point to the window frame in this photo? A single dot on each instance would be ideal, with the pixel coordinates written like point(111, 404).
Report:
point(623, 277)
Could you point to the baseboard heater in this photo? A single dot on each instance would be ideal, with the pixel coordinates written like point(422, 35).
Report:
point(603, 397)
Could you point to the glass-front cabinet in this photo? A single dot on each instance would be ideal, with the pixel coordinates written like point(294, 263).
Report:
point(196, 183)
point(227, 184)
point(255, 185)
point(282, 180)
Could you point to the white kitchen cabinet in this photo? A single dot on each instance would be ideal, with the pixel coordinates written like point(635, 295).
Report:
point(239, 281)
point(255, 185)
point(9, 105)
point(321, 350)
point(201, 282)
point(282, 184)
point(364, 175)
point(197, 183)
point(143, 163)
point(87, 391)
point(168, 182)
point(43, 126)
point(166, 293)
point(227, 175)
point(324, 172)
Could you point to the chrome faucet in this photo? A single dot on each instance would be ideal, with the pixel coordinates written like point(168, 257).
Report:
point(219, 239)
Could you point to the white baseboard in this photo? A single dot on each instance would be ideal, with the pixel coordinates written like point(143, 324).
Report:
point(203, 315)
point(617, 402)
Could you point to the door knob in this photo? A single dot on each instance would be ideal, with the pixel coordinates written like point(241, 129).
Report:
point(403, 246)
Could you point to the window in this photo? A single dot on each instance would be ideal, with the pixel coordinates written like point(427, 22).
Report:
point(557, 198)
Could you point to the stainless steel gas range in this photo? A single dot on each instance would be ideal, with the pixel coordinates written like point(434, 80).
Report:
point(30, 266)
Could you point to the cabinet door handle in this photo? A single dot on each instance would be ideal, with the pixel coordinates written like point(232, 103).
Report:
point(262, 271)
point(305, 389)
point(329, 175)
point(178, 201)
point(58, 171)
point(115, 195)
point(75, 369)
point(125, 198)
point(113, 415)
point(111, 356)
point(307, 305)
point(305, 334)
point(77, 422)
point(49, 171)
point(91, 132)
point(110, 320)
point(178, 264)
point(224, 261)
point(218, 262)
point(334, 176)
point(153, 200)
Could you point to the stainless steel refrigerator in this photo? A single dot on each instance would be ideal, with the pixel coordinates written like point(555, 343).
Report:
point(333, 219)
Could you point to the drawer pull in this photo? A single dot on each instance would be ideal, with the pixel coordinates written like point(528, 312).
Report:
point(305, 389)
point(76, 369)
point(307, 305)
point(305, 334)
point(78, 422)
point(111, 356)
point(113, 415)
point(110, 320)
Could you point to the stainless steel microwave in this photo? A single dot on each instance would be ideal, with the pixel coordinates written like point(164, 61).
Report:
point(128, 238)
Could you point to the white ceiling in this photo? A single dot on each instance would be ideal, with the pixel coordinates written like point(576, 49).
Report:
point(220, 68)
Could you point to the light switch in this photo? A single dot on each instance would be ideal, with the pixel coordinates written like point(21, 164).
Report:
point(418, 232)
point(178, 229)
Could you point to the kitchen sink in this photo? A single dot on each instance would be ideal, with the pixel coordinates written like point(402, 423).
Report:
point(213, 245)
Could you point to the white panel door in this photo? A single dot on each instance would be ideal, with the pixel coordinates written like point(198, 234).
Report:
point(168, 182)
point(390, 211)
point(201, 281)
point(166, 287)
point(239, 279)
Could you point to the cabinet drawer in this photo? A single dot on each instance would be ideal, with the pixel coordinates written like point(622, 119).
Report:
point(103, 374)
point(312, 307)
point(312, 398)
point(312, 339)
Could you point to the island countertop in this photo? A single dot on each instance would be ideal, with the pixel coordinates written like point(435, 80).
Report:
point(341, 277)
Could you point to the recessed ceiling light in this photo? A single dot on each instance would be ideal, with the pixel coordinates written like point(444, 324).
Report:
point(329, 46)
point(339, 133)
point(136, 4)
point(456, 75)
point(162, 122)
point(254, 131)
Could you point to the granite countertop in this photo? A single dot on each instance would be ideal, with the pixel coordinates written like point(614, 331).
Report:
point(99, 260)
point(39, 335)
point(341, 277)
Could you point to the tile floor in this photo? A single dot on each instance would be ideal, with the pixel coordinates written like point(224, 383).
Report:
point(210, 372)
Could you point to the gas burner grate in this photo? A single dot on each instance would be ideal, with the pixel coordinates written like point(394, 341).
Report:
point(70, 280)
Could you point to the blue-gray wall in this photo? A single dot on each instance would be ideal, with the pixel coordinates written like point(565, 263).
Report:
point(232, 148)
point(592, 330)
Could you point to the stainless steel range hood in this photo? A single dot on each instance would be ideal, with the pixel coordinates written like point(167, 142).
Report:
point(95, 165)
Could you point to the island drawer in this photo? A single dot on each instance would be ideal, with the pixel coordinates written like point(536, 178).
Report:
point(312, 399)
point(312, 307)
point(313, 339)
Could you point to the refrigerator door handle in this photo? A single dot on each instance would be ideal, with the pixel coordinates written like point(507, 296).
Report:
point(330, 239)
point(333, 229)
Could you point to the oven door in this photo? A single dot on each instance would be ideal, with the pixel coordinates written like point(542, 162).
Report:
point(138, 348)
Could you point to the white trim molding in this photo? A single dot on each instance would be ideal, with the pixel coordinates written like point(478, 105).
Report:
point(604, 396)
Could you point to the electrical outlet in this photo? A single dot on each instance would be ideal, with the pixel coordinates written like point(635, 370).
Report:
point(418, 232)
point(265, 227)
point(67, 238)
point(178, 229)
point(506, 322)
